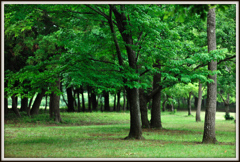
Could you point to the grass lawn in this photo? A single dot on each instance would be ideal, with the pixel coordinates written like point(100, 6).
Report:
point(100, 135)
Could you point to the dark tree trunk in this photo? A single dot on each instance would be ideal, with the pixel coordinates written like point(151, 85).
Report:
point(133, 94)
point(83, 102)
point(46, 103)
point(51, 111)
point(135, 122)
point(118, 100)
point(89, 98)
point(156, 103)
point(5, 105)
point(189, 103)
point(198, 111)
point(37, 102)
point(24, 104)
point(29, 106)
point(209, 124)
point(94, 102)
point(55, 99)
point(143, 109)
point(75, 98)
point(70, 100)
point(14, 106)
point(106, 101)
point(114, 103)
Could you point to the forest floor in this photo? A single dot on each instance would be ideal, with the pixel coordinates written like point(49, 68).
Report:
point(101, 135)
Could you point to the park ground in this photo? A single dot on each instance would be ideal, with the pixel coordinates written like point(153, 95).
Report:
point(101, 135)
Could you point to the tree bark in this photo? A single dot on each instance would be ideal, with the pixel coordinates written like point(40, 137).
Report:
point(94, 101)
point(143, 109)
point(156, 101)
point(46, 102)
point(198, 111)
point(5, 105)
point(37, 102)
point(24, 104)
point(209, 124)
point(70, 100)
point(189, 103)
point(133, 93)
point(106, 101)
point(14, 106)
point(29, 106)
point(135, 122)
point(55, 104)
point(118, 100)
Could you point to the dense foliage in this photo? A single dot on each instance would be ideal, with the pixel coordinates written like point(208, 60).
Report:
point(112, 48)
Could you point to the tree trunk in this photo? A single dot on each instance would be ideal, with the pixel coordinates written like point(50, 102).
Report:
point(55, 99)
point(118, 100)
point(198, 111)
point(106, 101)
point(94, 101)
point(46, 103)
point(156, 102)
point(29, 106)
point(135, 122)
point(37, 102)
point(24, 104)
point(209, 124)
point(189, 103)
point(51, 111)
point(143, 109)
point(14, 106)
point(70, 100)
point(133, 94)
point(5, 105)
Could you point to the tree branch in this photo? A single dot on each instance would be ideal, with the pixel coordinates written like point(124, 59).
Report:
point(98, 11)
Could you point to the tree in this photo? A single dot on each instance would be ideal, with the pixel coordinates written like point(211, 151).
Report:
point(209, 123)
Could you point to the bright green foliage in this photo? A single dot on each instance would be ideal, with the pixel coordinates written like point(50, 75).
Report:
point(75, 43)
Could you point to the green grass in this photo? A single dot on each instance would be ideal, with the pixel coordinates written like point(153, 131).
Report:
point(100, 135)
